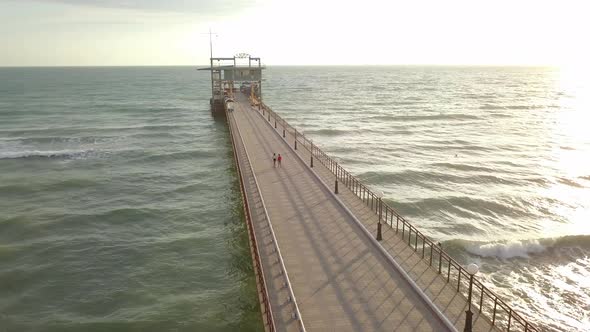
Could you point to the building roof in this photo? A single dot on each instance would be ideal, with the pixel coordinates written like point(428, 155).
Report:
point(230, 67)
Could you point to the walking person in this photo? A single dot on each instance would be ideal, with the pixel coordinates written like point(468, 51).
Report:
point(274, 160)
point(280, 159)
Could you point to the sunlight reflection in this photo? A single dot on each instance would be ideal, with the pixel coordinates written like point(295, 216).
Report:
point(571, 151)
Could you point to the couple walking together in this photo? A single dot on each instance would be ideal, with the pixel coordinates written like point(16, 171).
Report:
point(275, 159)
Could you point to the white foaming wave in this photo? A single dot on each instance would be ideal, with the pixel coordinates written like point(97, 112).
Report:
point(524, 248)
point(45, 154)
point(508, 249)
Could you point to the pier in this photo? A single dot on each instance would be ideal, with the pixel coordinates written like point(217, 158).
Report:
point(328, 253)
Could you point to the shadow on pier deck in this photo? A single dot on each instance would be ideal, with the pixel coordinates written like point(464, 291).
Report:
point(320, 266)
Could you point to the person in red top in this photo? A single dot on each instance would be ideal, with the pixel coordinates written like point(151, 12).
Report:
point(280, 159)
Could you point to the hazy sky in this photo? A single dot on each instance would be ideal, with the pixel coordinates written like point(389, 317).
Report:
point(174, 32)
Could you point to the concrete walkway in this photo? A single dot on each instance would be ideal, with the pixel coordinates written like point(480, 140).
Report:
point(341, 279)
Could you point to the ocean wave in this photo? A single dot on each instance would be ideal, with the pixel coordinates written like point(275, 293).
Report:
point(463, 206)
point(522, 248)
point(57, 154)
point(330, 132)
point(506, 250)
point(569, 182)
point(442, 147)
point(160, 126)
point(175, 155)
point(441, 116)
point(464, 167)
point(492, 107)
point(54, 187)
point(500, 115)
point(511, 107)
point(431, 178)
point(62, 139)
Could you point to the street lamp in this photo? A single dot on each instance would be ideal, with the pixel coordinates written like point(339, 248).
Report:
point(379, 196)
point(472, 270)
point(311, 153)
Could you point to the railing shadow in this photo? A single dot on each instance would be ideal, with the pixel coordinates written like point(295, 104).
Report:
point(490, 305)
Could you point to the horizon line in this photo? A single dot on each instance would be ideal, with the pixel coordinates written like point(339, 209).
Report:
point(296, 65)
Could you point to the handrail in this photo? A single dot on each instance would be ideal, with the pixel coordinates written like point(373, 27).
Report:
point(278, 250)
point(267, 314)
point(507, 315)
point(411, 282)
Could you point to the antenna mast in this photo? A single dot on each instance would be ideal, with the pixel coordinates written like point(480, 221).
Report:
point(210, 42)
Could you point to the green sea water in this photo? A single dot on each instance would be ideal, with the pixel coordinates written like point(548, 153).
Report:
point(120, 208)
point(120, 211)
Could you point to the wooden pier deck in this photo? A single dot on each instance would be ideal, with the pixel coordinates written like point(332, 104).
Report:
point(323, 270)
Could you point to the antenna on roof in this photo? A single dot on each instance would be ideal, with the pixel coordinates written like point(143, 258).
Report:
point(211, 42)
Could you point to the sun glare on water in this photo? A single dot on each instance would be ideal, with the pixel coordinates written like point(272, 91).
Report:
point(571, 151)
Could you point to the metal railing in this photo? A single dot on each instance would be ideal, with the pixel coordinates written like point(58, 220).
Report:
point(499, 313)
point(266, 310)
point(291, 298)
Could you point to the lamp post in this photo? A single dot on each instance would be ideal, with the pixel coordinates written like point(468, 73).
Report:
point(472, 270)
point(311, 153)
point(380, 197)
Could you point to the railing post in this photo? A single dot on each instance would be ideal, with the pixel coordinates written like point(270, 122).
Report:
point(481, 298)
point(396, 224)
point(379, 237)
point(468, 313)
point(431, 253)
point(295, 139)
point(311, 154)
point(440, 257)
point(449, 273)
point(494, 312)
point(336, 186)
point(509, 319)
point(275, 121)
point(423, 247)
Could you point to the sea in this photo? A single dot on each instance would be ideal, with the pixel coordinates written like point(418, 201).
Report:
point(120, 207)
